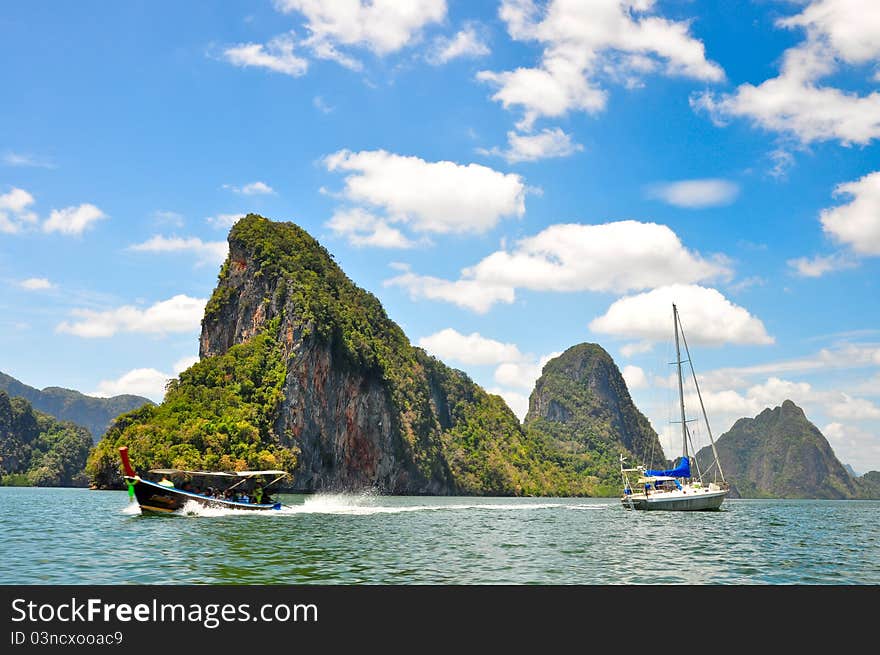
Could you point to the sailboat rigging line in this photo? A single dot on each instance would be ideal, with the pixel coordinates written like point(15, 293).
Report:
point(700, 396)
point(699, 473)
point(684, 431)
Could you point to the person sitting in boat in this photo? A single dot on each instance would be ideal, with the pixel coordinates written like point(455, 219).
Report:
point(258, 494)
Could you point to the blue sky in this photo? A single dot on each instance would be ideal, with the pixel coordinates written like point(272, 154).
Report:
point(509, 178)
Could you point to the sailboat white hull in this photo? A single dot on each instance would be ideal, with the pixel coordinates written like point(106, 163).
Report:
point(677, 501)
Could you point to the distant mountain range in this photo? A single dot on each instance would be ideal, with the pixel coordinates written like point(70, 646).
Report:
point(38, 450)
point(90, 412)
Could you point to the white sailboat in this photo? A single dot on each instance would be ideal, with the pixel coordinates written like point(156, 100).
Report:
point(676, 488)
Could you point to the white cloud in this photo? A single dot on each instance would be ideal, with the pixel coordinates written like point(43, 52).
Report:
point(518, 402)
point(148, 382)
point(820, 264)
point(696, 194)
point(848, 408)
point(707, 316)
point(854, 445)
point(362, 228)
point(837, 32)
point(471, 294)
point(620, 256)
point(440, 197)
point(36, 284)
point(73, 220)
point(531, 147)
point(634, 377)
point(630, 349)
point(381, 26)
point(449, 344)
point(277, 55)
point(184, 363)
point(180, 313)
point(522, 374)
point(206, 252)
point(844, 357)
point(466, 43)
point(857, 223)
point(253, 189)
point(583, 42)
point(224, 221)
point(850, 27)
point(14, 211)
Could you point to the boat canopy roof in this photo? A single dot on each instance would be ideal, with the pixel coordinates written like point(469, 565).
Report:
point(683, 470)
point(219, 474)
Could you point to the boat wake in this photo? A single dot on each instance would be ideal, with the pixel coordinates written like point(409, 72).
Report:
point(370, 503)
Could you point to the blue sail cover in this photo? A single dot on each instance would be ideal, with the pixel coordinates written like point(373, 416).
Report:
point(683, 470)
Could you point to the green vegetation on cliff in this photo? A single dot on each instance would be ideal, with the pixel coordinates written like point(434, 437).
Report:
point(38, 450)
point(780, 454)
point(582, 411)
point(218, 415)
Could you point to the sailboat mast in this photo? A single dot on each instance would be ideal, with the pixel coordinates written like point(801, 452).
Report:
point(684, 434)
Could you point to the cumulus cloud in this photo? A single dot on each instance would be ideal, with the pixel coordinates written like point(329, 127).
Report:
point(470, 294)
point(546, 144)
point(522, 374)
point(15, 213)
point(696, 194)
point(276, 55)
point(518, 402)
point(363, 228)
point(794, 103)
point(380, 26)
point(707, 316)
point(73, 220)
point(469, 349)
point(466, 43)
point(440, 197)
point(854, 445)
point(148, 382)
point(206, 252)
point(857, 223)
point(619, 256)
point(584, 43)
point(635, 377)
point(180, 313)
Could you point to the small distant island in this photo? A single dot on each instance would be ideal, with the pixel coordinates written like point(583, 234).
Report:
point(303, 371)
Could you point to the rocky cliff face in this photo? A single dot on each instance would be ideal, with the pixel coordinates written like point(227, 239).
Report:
point(780, 454)
point(582, 406)
point(94, 414)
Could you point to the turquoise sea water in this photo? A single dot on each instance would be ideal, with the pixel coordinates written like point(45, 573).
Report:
point(76, 536)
